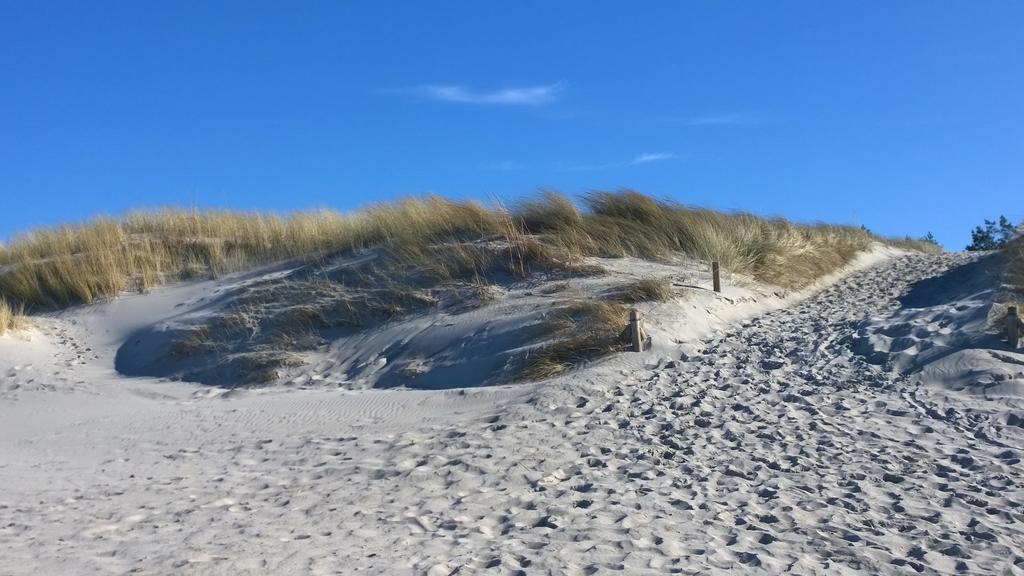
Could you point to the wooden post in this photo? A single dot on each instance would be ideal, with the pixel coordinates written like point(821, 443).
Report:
point(636, 343)
point(1013, 325)
point(716, 276)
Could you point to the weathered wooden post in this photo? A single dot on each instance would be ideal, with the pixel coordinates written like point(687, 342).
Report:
point(636, 340)
point(716, 276)
point(1013, 327)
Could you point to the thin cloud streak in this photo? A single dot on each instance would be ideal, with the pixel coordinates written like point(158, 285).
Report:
point(645, 158)
point(516, 96)
point(648, 157)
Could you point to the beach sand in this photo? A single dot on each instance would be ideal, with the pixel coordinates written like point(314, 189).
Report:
point(773, 433)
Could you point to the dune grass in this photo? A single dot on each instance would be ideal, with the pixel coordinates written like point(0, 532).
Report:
point(627, 223)
point(914, 244)
point(12, 316)
point(54, 267)
point(422, 242)
point(1013, 267)
point(643, 290)
point(98, 259)
point(1010, 276)
point(580, 332)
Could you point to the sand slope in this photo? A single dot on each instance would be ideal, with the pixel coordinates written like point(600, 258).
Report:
point(948, 330)
point(770, 447)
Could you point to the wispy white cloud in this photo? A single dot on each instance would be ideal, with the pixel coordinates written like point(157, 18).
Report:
point(648, 157)
point(515, 96)
point(645, 158)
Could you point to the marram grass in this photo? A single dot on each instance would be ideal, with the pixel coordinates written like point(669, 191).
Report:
point(11, 316)
point(54, 267)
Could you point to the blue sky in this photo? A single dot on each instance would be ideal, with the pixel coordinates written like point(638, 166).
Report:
point(907, 116)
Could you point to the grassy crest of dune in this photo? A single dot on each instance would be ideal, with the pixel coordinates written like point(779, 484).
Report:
point(98, 259)
point(424, 249)
point(53, 267)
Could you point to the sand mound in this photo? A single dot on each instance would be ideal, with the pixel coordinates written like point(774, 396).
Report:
point(770, 446)
point(344, 323)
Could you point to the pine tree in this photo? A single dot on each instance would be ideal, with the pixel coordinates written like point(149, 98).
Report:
point(1006, 230)
point(993, 236)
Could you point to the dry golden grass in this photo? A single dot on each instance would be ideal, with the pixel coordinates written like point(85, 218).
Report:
point(627, 223)
point(73, 264)
point(81, 263)
point(581, 332)
point(915, 244)
point(644, 290)
point(12, 316)
point(551, 212)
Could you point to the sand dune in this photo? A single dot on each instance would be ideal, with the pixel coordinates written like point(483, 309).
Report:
point(776, 435)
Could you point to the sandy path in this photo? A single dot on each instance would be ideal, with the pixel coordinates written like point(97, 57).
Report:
point(774, 449)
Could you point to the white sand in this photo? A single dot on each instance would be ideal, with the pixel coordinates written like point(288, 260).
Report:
point(768, 447)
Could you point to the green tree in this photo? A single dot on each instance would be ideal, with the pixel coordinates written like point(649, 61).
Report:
point(993, 236)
